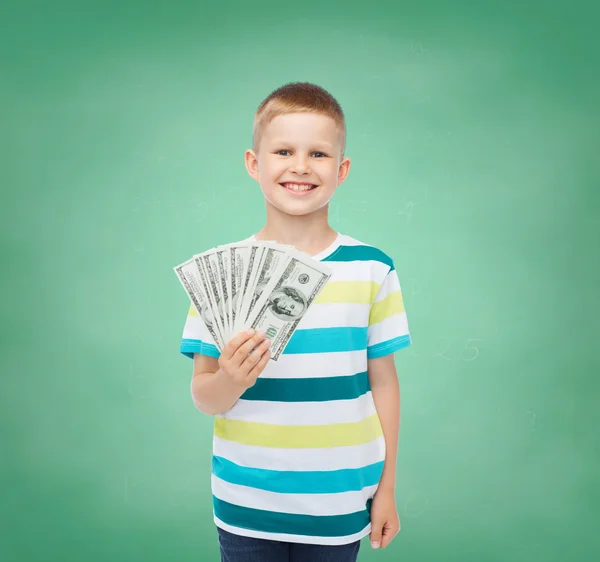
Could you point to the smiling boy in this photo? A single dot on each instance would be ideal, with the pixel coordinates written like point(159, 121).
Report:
point(304, 456)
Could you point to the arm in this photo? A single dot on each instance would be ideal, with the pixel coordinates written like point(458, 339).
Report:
point(212, 390)
point(385, 388)
point(385, 522)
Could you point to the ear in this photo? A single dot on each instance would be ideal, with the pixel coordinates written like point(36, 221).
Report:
point(251, 161)
point(343, 170)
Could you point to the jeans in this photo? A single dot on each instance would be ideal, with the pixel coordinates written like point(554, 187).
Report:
point(236, 548)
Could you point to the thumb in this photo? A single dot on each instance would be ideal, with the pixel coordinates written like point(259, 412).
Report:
point(376, 530)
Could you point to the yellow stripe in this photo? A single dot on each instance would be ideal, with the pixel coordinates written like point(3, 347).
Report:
point(299, 436)
point(350, 292)
point(355, 292)
point(392, 304)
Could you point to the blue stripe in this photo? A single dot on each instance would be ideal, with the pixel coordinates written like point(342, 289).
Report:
point(292, 523)
point(188, 347)
point(388, 346)
point(317, 340)
point(328, 340)
point(298, 482)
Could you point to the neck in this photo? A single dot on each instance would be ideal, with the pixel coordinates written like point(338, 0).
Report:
point(309, 240)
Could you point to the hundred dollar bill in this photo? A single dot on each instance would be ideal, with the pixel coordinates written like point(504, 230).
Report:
point(286, 297)
point(206, 263)
point(247, 284)
point(224, 283)
point(222, 258)
point(273, 261)
point(221, 291)
point(189, 277)
point(263, 258)
point(239, 260)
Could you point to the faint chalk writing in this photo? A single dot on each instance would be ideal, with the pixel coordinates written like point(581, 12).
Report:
point(408, 209)
point(470, 352)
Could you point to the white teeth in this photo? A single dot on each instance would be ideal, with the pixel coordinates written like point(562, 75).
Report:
point(298, 187)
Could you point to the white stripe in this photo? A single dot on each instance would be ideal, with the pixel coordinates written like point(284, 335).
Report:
point(339, 503)
point(328, 315)
point(195, 329)
point(305, 539)
point(389, 328)
point(303, 413)
point(390, 284)
point(304, 365)
point(334, 458)
point(369, 270)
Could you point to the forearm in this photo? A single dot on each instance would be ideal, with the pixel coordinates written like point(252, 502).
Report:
point(214, 393)
point(387, 403)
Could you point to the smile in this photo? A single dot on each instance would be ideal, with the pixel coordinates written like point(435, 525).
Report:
point(299, 192)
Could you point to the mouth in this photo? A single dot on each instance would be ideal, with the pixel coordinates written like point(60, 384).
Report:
point(298, 191)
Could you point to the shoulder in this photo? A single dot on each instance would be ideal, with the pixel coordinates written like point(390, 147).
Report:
point(368, 255)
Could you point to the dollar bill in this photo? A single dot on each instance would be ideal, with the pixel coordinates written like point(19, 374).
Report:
point(273, 261)
point(254, 255)
point(240, 270)
point(189, 276)
point(262, 284)
point(248, 283)
point(285, 298)
point(207, 267)
point(224, 279)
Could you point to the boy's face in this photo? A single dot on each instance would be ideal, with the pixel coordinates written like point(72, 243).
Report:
point(298, 147)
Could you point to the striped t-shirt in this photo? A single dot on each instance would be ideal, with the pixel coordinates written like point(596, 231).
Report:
point(299, 456)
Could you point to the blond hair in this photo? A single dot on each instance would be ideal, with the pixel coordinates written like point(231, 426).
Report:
point(298, 97)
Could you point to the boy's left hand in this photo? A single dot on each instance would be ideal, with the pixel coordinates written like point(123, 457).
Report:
point(385, 522)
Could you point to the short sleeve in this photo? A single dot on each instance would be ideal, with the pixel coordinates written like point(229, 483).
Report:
point(388, 326)
point(196, 338)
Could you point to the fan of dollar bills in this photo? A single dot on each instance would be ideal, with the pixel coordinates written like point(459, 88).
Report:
point(257, 284)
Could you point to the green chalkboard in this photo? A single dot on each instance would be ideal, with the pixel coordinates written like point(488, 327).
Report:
point(473, 137)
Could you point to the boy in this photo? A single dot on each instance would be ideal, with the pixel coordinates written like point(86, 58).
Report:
point(304, 457)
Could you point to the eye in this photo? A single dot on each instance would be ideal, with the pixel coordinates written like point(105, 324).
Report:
point(285, 150)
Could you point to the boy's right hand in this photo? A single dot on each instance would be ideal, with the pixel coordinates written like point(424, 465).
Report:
point(241, 366)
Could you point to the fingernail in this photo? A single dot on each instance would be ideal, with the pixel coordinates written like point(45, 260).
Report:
point(375, 544)
point(250, 331)
point(261, 333)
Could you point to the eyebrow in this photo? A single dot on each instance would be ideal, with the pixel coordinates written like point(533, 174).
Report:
point(316, 144)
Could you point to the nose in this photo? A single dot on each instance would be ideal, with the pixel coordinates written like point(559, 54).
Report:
point(299, 164)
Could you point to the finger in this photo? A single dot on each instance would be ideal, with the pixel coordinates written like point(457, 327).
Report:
point(257, 369)
point(254, 355)
point(387, 536)
point(234, 343)
point(253, 343)
point(376, 530)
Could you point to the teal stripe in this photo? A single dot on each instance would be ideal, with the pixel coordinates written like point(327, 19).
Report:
point(360, 253)
point(388, 346)
point(292, 523)
point(298, 482)
point(309, 389)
